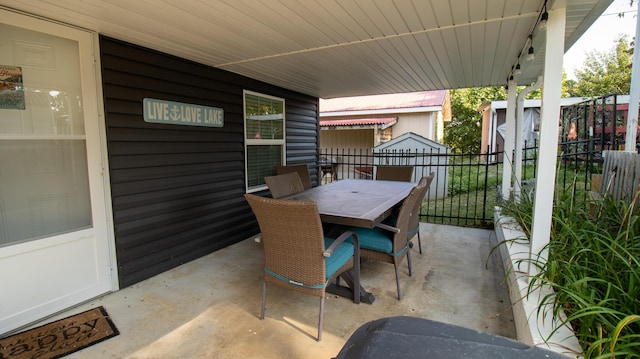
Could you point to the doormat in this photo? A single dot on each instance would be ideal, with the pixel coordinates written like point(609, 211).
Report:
point(60, 338)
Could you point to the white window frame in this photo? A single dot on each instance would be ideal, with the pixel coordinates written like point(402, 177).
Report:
point(262, 141)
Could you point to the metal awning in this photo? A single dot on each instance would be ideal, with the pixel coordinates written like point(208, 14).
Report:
point(357, 123)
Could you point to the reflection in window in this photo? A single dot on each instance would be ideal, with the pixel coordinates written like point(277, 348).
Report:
point(264, 137)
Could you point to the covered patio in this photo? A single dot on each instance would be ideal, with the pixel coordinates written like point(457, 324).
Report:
point(210, 307)
point(212, 53)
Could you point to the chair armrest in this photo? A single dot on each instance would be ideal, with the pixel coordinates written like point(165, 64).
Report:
point(343, 237)
point(387, 227)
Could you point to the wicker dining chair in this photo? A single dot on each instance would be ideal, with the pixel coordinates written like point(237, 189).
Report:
point(414, 222)
point(301, 170)
point(297, 255)
point(284, 185)
point(394, 173)
point(390, 244)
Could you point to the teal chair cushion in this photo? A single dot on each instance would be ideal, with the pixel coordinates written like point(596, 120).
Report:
point(375, 239)
point(340, 255)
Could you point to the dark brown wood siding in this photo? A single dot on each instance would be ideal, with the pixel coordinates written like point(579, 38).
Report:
point(177, 191)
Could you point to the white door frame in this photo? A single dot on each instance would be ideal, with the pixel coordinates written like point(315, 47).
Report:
point(101, 234)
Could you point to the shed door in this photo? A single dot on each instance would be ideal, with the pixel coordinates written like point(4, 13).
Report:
point(54, 250)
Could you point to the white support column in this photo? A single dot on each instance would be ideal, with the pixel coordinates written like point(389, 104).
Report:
point(634, 96)
point(509, 140)
point(549, 119)
point(517, 158)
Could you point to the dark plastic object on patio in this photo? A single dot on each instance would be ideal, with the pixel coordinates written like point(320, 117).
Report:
point(409, 337)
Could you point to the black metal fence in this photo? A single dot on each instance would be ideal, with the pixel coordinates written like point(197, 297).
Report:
point(599, 122)
point(462, 193)
point(466, 187)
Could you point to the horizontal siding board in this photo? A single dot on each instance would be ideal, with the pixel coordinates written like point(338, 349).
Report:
point(149, 148)
point(181, 253)
point(133, 85)
point(165, 133)
point(196, 81)
point(121, 50)
point(167, 159)
point(146, 173)
point(203, 203)
point(153, 185)
point(183, 218)
point(155, 239)
point(141, 199)
point(300, 126)
point(177, 191)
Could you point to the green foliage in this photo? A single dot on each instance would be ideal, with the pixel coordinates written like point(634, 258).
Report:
point(594, 267)
point(605, 73)
point(468, 175)
point(464, 133)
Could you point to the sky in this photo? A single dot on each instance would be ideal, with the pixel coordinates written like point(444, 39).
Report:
point(602, 34)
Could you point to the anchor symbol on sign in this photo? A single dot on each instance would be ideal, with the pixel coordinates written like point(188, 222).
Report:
point(174, 113)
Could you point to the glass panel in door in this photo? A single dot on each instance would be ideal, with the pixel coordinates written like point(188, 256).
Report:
point(45, 187)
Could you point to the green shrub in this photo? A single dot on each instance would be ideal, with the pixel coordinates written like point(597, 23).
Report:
point(594, 267)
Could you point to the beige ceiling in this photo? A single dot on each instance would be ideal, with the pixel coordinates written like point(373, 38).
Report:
point(334, 48)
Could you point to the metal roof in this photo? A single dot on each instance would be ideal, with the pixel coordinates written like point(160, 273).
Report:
point(335, 48)
point(388, 101)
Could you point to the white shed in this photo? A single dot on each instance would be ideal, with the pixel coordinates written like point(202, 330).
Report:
point(424, 154)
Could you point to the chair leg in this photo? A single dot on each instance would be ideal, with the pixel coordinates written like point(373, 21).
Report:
point(409, 261)
point(356, 275)
point(397, 281)
point(419, 241)
point(320, 319)
point(264, 297)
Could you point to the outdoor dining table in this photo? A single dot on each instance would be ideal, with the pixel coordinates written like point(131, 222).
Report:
point(356, 202)
point(359, 203)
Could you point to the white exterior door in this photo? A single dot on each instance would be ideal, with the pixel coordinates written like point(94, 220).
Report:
point(55, 248)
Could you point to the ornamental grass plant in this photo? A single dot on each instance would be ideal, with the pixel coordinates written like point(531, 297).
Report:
point(593, 266)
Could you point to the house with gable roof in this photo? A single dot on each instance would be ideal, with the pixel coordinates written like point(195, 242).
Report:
point(364, 122)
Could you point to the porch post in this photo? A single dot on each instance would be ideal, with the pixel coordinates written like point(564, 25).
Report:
point(548, 148)
point(634, 96)
point(509, 139)
point(517, 158)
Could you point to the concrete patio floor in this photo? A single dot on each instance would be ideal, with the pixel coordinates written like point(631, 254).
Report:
point(210, 308)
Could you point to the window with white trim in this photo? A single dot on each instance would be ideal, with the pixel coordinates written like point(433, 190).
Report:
point(264, 137)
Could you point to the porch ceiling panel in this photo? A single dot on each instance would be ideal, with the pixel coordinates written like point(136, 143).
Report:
point(334, 48)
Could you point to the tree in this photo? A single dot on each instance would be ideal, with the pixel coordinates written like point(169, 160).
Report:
point(605, 73)
point(464, 133)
